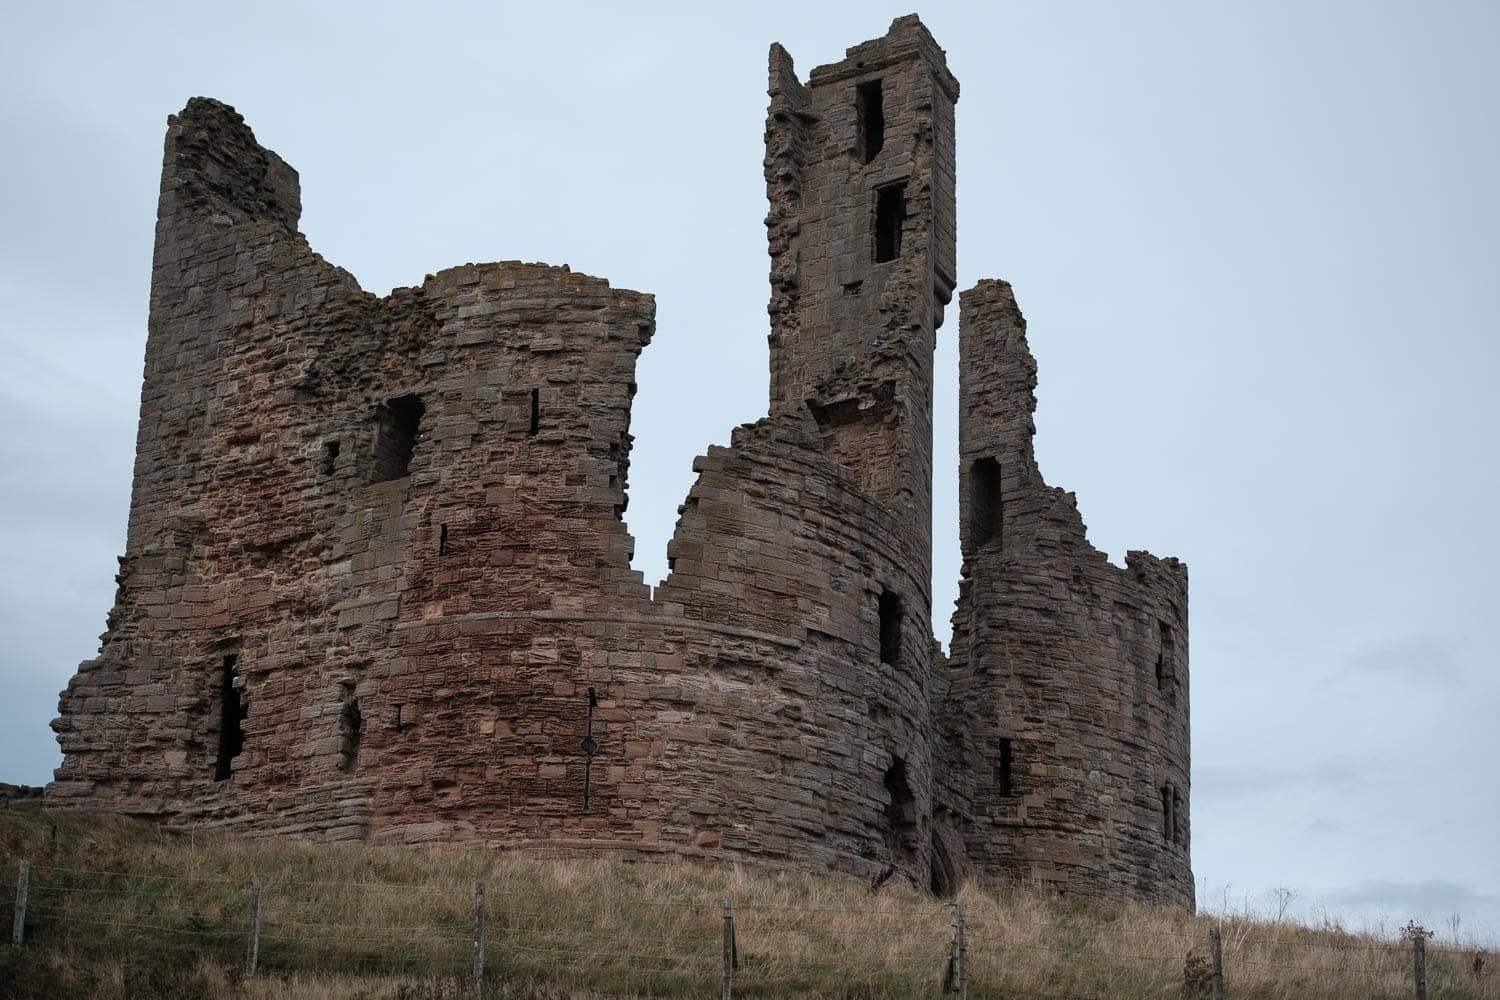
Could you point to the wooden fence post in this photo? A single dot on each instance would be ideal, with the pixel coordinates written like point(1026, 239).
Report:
point(252, 954)
point(23, 887)
point(730, 957)
point(478, 933)
point(953, 976)
point(1419, 959)
point(962, 952)
point(1216, 939)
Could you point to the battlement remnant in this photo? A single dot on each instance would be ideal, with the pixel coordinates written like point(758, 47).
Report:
point(377, 580)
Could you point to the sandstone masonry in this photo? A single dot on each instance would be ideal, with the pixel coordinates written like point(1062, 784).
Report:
point(377, 580)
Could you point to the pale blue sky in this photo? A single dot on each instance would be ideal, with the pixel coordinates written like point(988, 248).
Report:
point(1257, 246)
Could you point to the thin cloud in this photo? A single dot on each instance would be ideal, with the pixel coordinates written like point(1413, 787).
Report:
point(1323, 828)
point(1332, 774)
point(1460, 914)
point(1429, 894)
point(1417, 657)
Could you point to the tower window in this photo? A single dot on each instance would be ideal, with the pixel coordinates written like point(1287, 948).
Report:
point(890, 627)
point(1166, 677)
point(536, 412)
point(1007, 776)
point(890, 213)
point(232, 715)
point(869, 109)
point(985, 507)
point(351, 726)
point(330, 457)
point(900, 810)
point(1168, 814)
point(397, 424)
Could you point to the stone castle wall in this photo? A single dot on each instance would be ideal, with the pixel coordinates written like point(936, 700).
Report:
point(377, 579)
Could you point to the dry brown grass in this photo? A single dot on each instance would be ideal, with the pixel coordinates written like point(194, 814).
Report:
point(121, 909)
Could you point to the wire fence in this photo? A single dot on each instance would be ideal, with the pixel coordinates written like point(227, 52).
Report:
point(620, 943)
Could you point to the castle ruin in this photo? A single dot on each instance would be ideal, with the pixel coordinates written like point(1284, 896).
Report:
point(377, 580)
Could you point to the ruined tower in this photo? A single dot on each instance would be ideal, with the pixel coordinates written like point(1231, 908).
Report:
point(377, 579)
point(1069, 673)
point(860, 176)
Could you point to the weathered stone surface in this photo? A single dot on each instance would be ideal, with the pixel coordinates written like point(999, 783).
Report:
point(377, 582)
point(20, 798)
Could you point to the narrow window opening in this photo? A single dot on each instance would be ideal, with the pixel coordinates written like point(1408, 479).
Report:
point(536, 412)
point(397, 423)
point(1007, 774)
point(940, 872)
point(890, 627)
point(1167, 822)
point(986, 509)
point(400, 722)
point(1166, 677)
point(869, 109)
point(330, 457)
point(900, 809)
point(1177, 818)
point(890, 213)
point(232, 715)
point(442, 539)
point(853, 287)
point(590, 748)
point(351, 726)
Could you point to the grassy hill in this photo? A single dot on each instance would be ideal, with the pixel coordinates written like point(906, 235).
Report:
point(119, 908)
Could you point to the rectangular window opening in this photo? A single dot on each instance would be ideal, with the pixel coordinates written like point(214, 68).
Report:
point(351, 727)
point(536, 412)
point(330, 457)
point(442, 539)
point(869, 109)
point(890, 213)
point(890, 627)
point(1007, 775)
point(985, 506)
point(1177, 821)
point(398, 424)
point(232, 715)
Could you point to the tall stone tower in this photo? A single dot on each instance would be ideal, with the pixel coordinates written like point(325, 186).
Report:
point(860, 176)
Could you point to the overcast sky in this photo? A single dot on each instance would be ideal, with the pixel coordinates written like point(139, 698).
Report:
point(1256, 243)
